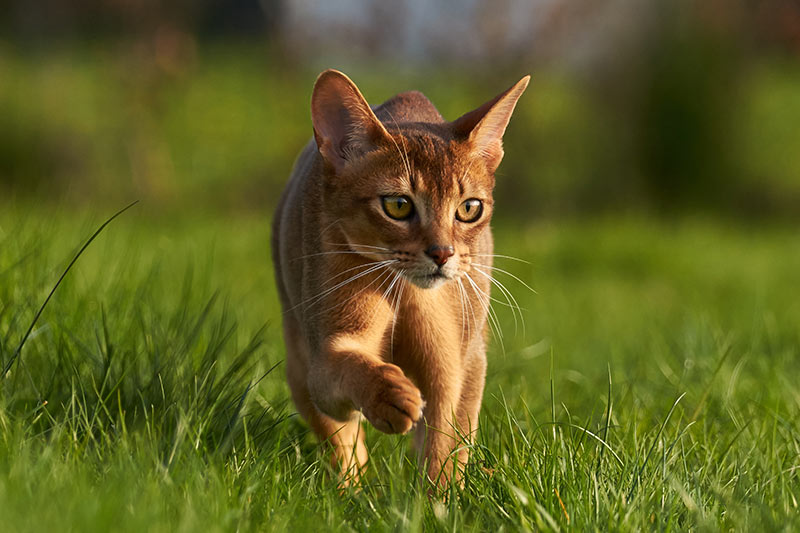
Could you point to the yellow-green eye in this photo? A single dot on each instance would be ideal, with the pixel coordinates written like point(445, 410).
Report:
point(398, 207)
point(470, 210)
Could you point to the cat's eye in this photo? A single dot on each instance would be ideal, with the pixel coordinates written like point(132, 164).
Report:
point(469, 210)
point(398, 207)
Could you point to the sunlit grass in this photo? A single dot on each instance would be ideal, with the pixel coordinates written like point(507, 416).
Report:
point(654, 386)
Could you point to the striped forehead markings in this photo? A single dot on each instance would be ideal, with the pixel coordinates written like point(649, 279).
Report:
point(435, 164)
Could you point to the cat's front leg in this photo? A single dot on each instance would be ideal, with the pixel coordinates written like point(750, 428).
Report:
point(343, 379)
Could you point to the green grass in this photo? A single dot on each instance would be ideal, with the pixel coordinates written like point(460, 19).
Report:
point(654, 386)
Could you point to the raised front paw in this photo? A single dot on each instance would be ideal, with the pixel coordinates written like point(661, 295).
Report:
point(390, 401)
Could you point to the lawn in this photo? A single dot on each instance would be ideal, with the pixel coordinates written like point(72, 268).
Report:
point(653, 386)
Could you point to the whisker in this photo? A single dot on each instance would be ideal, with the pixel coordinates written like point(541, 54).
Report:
point(512, 302)
point(336, 252)
point(506, 272)
point(405, 159)
point(382, 276)
point(391, 285)
point(362, 265)
point(494, 323)
point(469, 166)
point(506, 303)
point(351, 245)
point(492, 298)
point(405, 151)
point(501, 256)
point(329, 226)
point(471, 310)
point(489, 298)
point(387, 291)
point(394, 316)
point(314, 299)
point(463, 312)
point(461, 309)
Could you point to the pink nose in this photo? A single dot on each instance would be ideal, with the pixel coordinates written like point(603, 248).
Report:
point(440, 254)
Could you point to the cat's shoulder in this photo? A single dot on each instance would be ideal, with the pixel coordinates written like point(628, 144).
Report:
point(411, 106)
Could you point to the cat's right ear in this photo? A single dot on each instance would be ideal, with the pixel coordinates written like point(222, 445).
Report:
point(344, 125)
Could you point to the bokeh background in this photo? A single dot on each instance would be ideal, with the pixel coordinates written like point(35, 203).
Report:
point(662, 107)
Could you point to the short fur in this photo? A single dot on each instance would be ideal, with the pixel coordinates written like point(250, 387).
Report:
point(373, 324)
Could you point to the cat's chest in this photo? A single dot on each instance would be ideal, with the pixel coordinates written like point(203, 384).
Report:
point(432, 327)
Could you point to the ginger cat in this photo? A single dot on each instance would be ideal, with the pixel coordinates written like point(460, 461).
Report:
point(374, 241)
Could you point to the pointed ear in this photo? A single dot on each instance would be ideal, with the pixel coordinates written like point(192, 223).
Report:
point(344, 125)
point(484, 127)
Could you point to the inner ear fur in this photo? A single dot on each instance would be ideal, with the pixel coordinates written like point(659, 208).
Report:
point(484, 127)
point(344, 125)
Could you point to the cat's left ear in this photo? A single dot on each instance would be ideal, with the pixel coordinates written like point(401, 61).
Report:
point(484, 127)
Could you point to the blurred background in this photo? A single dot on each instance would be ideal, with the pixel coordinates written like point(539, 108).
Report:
point(656, 107)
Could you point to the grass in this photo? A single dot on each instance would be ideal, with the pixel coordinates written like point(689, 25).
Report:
point(654, 386)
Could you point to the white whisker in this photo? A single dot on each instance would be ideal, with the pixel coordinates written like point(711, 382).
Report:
point(506, 272)
point(512, 302)
point(351, 245)
point(469, 166)
point(329, 226)
point(391, 286)
point(336, 252)
point(362, 265)
point(314, 299)
point(405, 159)
point(471, 310)
point(382, 276)
point(501, 256)
point(494, 323)
point(490, 298)
point(394, 316)
point(463, 312)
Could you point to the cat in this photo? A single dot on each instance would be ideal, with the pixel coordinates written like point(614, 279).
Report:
point(382, 252)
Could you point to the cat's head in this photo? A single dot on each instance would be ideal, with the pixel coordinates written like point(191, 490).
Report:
point(417, 194)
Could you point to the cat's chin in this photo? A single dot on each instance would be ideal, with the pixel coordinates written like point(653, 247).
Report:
point(430, 281)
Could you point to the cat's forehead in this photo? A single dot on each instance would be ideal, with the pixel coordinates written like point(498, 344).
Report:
point(439, 164)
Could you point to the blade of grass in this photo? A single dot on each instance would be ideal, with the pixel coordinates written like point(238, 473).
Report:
point(652, 446)
point(99, 230)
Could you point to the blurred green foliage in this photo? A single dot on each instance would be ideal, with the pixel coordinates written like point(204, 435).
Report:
point(220, 128)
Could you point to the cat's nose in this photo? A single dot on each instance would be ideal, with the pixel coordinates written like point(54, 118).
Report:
point(440, 254)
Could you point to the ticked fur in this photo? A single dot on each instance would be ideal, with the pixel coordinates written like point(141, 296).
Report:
point(387, 317)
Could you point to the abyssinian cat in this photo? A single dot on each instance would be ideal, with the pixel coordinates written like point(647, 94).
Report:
point(382, 252)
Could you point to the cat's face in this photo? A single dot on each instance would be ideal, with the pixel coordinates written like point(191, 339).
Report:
point(424, 204)
point(416, 197)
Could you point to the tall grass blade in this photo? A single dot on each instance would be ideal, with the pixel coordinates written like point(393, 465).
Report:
point(99, 230)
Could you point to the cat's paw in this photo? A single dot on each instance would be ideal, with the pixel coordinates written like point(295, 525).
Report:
point(392, 403)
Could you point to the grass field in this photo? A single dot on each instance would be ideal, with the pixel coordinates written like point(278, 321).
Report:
point(654, 385)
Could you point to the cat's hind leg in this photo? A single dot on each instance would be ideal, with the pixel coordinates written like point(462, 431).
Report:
point(346, 439)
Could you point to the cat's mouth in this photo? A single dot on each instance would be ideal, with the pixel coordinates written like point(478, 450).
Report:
point(428, 281)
